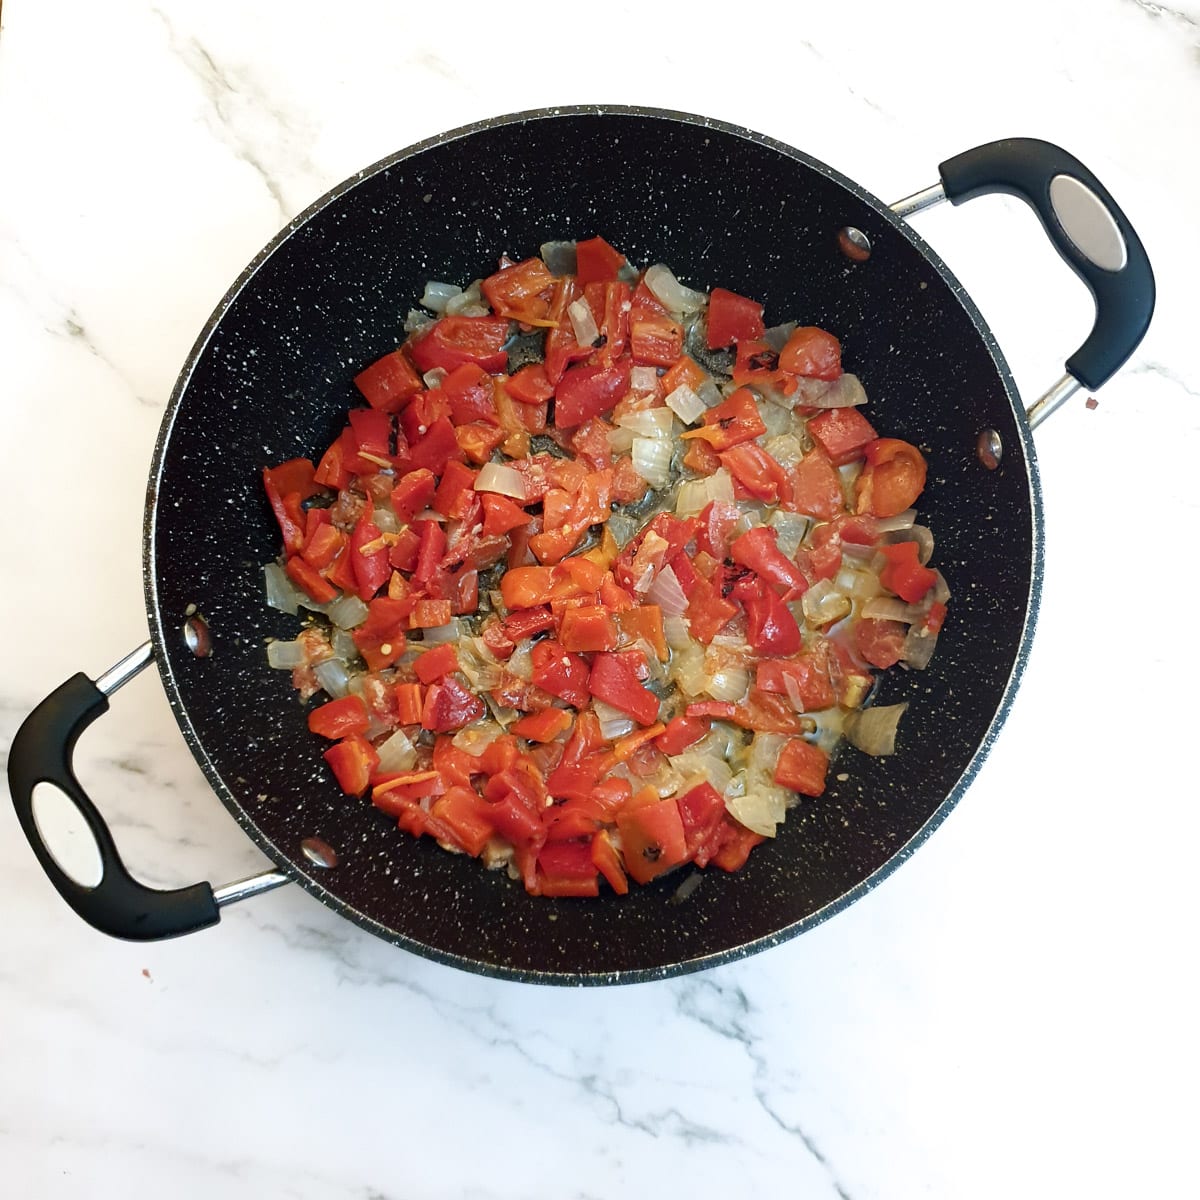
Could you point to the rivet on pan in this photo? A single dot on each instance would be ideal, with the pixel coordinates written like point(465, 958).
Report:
point(319, 853)
point(854, 244)
point(196, 636)
point(989, 449)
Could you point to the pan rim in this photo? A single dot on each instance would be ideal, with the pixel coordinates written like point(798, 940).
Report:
point(160, 630)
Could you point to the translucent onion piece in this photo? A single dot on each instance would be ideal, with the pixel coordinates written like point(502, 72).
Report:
point(520, 662)
point(559, 257)
point(333, 677)
point(475, 739)
point(695, 766)
point(873, 730)
point(282, 593)
point(691, 497)
point(777, 418)
point(940, 591)
point(687, 669)
point(347, 611)
point(902, 520)
point(620, 440)
point(613, 722)
point(786, 449)
point(397, 753)
point(729, 683)
point(343, 645)
point(437, 295)
point(504, 480)
point(685, 404)
point(776, 337)
point(671, 293)
point(890, 608)
point(283, 656)
point(667, 592)
point(823, 605)
point(622, 528)
point(386, 520)
point(760, 808)
point(434, 376)
point(643, 379)
point(676, 632)
point(469, 303)
point(710, 393)
point(582, 322)
point(918, 648)
point(416, 319)
point(844, 392)
point(443, 633)
point(649, 422)
point(790, 530)
point(652, 460)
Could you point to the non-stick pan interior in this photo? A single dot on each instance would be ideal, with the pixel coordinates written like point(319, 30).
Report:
point(271, 379)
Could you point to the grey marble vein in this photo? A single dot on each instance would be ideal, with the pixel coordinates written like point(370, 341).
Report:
point(1150, 367)
point(1163, 10)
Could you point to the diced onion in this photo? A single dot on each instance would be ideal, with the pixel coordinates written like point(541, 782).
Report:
point(648, 422)
point(676, 632)
point(283, 656)
point(347, 611)
point(844, 392)
point(282, 593)
point(823, 604)
point(582, 322)
point(701, 767)
point(855, 581)
point(439, 634)
point(890, 608)
point(730, 683)
point(397, 753)
point(343, 645)
point(777, 336)
point(790, 530)
point(437, 295)
point(918, 648)
point(620, 440)
point(786, 449)
point(434, 376)
point(685, 404)
point(416, 319)
point(386, 520)
point(694, 495)
point(776, 417)
point(333, 677)
point(504, 480)
point(622, 528)
point(671, 293)
point(613, 722)
point(710, 393)
point(873, 730)
point(760, 808)
point(652, 460)
point(667, 592)
point(475, 739)
point(520, 662)
point(687, 669)
point(902, 520)
point(643, 379)
point(940, 592)
point(559, 257)
point(469, 303)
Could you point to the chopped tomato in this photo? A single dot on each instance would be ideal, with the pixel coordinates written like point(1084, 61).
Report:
point(892, 479)
point(881, 643)
point(802, 767)
point(812, 352)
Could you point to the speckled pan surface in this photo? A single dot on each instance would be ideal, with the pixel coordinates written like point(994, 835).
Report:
point(271, 378)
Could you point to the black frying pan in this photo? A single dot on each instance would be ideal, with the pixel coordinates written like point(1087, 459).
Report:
point(270, 378)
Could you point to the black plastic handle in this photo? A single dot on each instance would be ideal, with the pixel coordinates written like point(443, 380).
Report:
point(118, 905)
point(1124, 295)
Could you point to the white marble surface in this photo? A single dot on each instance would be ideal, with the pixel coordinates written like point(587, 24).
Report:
point(1012, 1013)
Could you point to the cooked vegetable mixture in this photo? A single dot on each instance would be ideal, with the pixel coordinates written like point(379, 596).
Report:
point(602, 570)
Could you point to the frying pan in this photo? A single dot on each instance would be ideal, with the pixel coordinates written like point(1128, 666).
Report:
point(270, 378)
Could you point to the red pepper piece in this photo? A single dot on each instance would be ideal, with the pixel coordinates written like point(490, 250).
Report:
point(655, 340)
point(615, 680)
point(757, 549)
point(307, 578)
point(544, 726)
point(702, 812)
point(589, 391)
point(529, 385)
point(757, 472)
point(388, 382)
point(812, 352)
point(652, 836)
point(732, 318)
point(904, 574)
point(520, 291)
point(680, 733)
point(802, 767)
point(468, 392)
point(339, 718)
point(771, 628)
point(843, 433)
point(435, 663)
point(448, 705)
point(560, 673)
point(452, 341)
point(596, 261)
point(352, 760)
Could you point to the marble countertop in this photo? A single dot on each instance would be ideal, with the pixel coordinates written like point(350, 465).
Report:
point(1011, 1013)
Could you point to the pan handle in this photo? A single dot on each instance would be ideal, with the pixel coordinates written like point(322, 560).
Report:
point(1086, 227)
point(117, 904)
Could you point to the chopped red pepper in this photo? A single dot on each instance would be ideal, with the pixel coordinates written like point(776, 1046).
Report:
point(448, 705)
point(339, 718)
point(732, 318)
point(843, 433)
point(735, 420)
point(560, 672)
point(615, 680)
point(812, 352)
point(589, 391)
point(352, 760)
point(802, 767)
point(758, 549)
point(904, 573)
point(596, 260)
point(388, 382)
point(452, 341)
